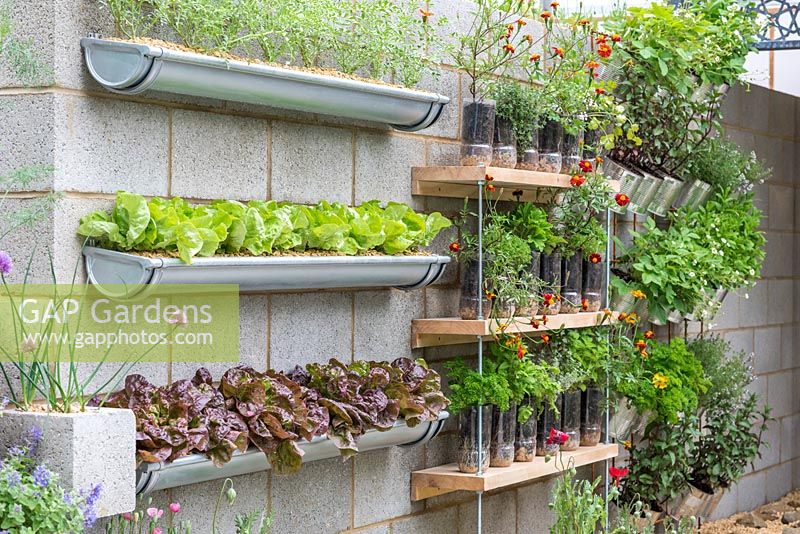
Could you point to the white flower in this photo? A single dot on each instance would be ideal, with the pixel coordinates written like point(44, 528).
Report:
point(691, 274)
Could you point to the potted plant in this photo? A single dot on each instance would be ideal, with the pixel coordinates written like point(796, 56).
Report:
point(473, 393)
point(517, 105)
point(497, 38)
point(722, 165)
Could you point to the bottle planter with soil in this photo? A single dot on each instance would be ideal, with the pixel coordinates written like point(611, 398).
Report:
point(528, 157)
point(551, 276)
point(503, 308)
point(477, 133)
point(550, 137)
point(571, 152)
point(470, 289)
point(592, 401)
point(666, 195)
point(468, 432)
point(504, 424)
point(504, 150)
point(548, 418)
point(592, 290)
point(571, 419)
point(573, 279)
point(525, 440)
point(532, 307)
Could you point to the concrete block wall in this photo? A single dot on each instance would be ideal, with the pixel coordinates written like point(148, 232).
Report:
point(160, 144)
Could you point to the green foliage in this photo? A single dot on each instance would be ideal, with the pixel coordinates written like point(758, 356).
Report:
point(660, 466)
point(529, 222)
point(728, 373)
point(578, 509)
point(725, 166)
point(379, 38)
point(591, 351)
point(31, 498)
point(685, 381)
point(259, 227)
point(18, 55)
point(518, 104)
point(470, 388)
point(575, 217)
point(717, 246)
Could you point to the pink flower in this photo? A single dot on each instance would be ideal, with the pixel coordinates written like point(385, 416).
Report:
point(154, 513)
point(156, 530)
point(175, 507)
point(127, 516)
point(557, 437)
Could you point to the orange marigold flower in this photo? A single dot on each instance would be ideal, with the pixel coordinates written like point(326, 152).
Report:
point(631, 319)
point(544, 320)
point(599, 160)
point(616, 38)
point(660, 381)
point(548, 299)
point(595, 258)
point(622, 199)
point(604, 50)
point(649, 334)
point(521, 22)
point(607, 312)
point(426, 14)
point(577, 180)
point(599, 90)
point(584, 22)
point(641, 344)
point(545, 15)
point(585, 166)
point(509, 48)
point(488, 178)
point(502, 327)
point(622, 316)
point(592, 65)
point(601, 38)
point(521, 351)
point(491, 188)
point(490, 295)
point(557, 50)
point(627, 444)
point(585, 304)
point(644, 354)
point(455, 247)
point(528, 37)
point(545, 339)
point(638, 294)
point(535, 323)
point(554, 5)
point(535, 57)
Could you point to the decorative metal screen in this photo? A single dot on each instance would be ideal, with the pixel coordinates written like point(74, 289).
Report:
point(783, 31)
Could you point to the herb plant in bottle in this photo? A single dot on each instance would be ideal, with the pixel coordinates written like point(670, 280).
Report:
point(592, 400)
point(504, 425)
point(571, 145)
point(550, 139)
point(551, 277)
point(504, 151)
point(525, 439)
point(571, 419)
point(592, 290)
point(549, 418)
point(573, 280)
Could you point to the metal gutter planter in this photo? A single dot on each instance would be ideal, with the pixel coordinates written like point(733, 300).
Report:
point(132, 68)
point(117, 274)
point(196, 468)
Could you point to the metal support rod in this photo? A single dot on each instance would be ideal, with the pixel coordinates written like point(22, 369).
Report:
point(607, 419)
point(479, 472)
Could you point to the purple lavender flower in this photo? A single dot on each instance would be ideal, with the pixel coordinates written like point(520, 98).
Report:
point(6, 263)
point(17, 509)
point(16, 451)
point(68, 498)
point(41, 476)
point(33, 439)
point(90, 497)
point(13, 478)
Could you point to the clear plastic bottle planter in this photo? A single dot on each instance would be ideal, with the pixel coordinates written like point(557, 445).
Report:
point(133, 68)
point(468, 432)
point(666, 196)
point(644, 194)
point(573, 280)
point(470, 289)
point(525, 440)
point(477, 133)
point(504, 426)
point(693, 194)
point(629, 180)
point(118, 274)
point(531, 308)
point(571, 419)
point(504, 150)
point(592, 402)
point(592, 290)
point(571, 152)
point(196, 468)
point(548, 419)
point(551, 276)
point(528, 157)
point(550, 138)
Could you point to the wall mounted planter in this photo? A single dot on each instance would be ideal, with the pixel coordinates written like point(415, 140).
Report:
point(110, 270)
point(197, 468)
point(132, 68)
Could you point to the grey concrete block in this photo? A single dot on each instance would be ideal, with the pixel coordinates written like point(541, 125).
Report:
point(780, 393)
point(790, 437)
point(768, 349)
point(440, 245)
point(443, 153)
point(27, 137)
point(218, 156)
point(383, 168)
point(28, 246)
point(770, 455)
point(447, 82)
point(778, 155)
point(789, 358)
point(443, 521)
point(499, 514)
point(751, 492)
point(442, 302)
point(311, 163)
point(728, 315)
point(317, 499)
point(781, 301)
point(746, 140)
point(383, 323)
point(67, 245)
point(751, 105)
point(780, 255)
point(741, 340)
point(383, 484)
point(106, 145)
point(779, 482)
point(34, 27)
point(727, 505)
point(69, 448)
point(377, 529)
point(781, 207)
point(310, 328)
point(759, 387)
point(753, 308)
point(199, 501)
point(73, 20)
point(782, 114)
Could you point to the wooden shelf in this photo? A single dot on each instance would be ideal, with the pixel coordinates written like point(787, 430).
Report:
point(446, 479)
point(460, 182)
point(454, 331)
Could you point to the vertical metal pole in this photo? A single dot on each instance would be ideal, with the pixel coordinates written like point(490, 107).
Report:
point(607, 421)
point(481, 184)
